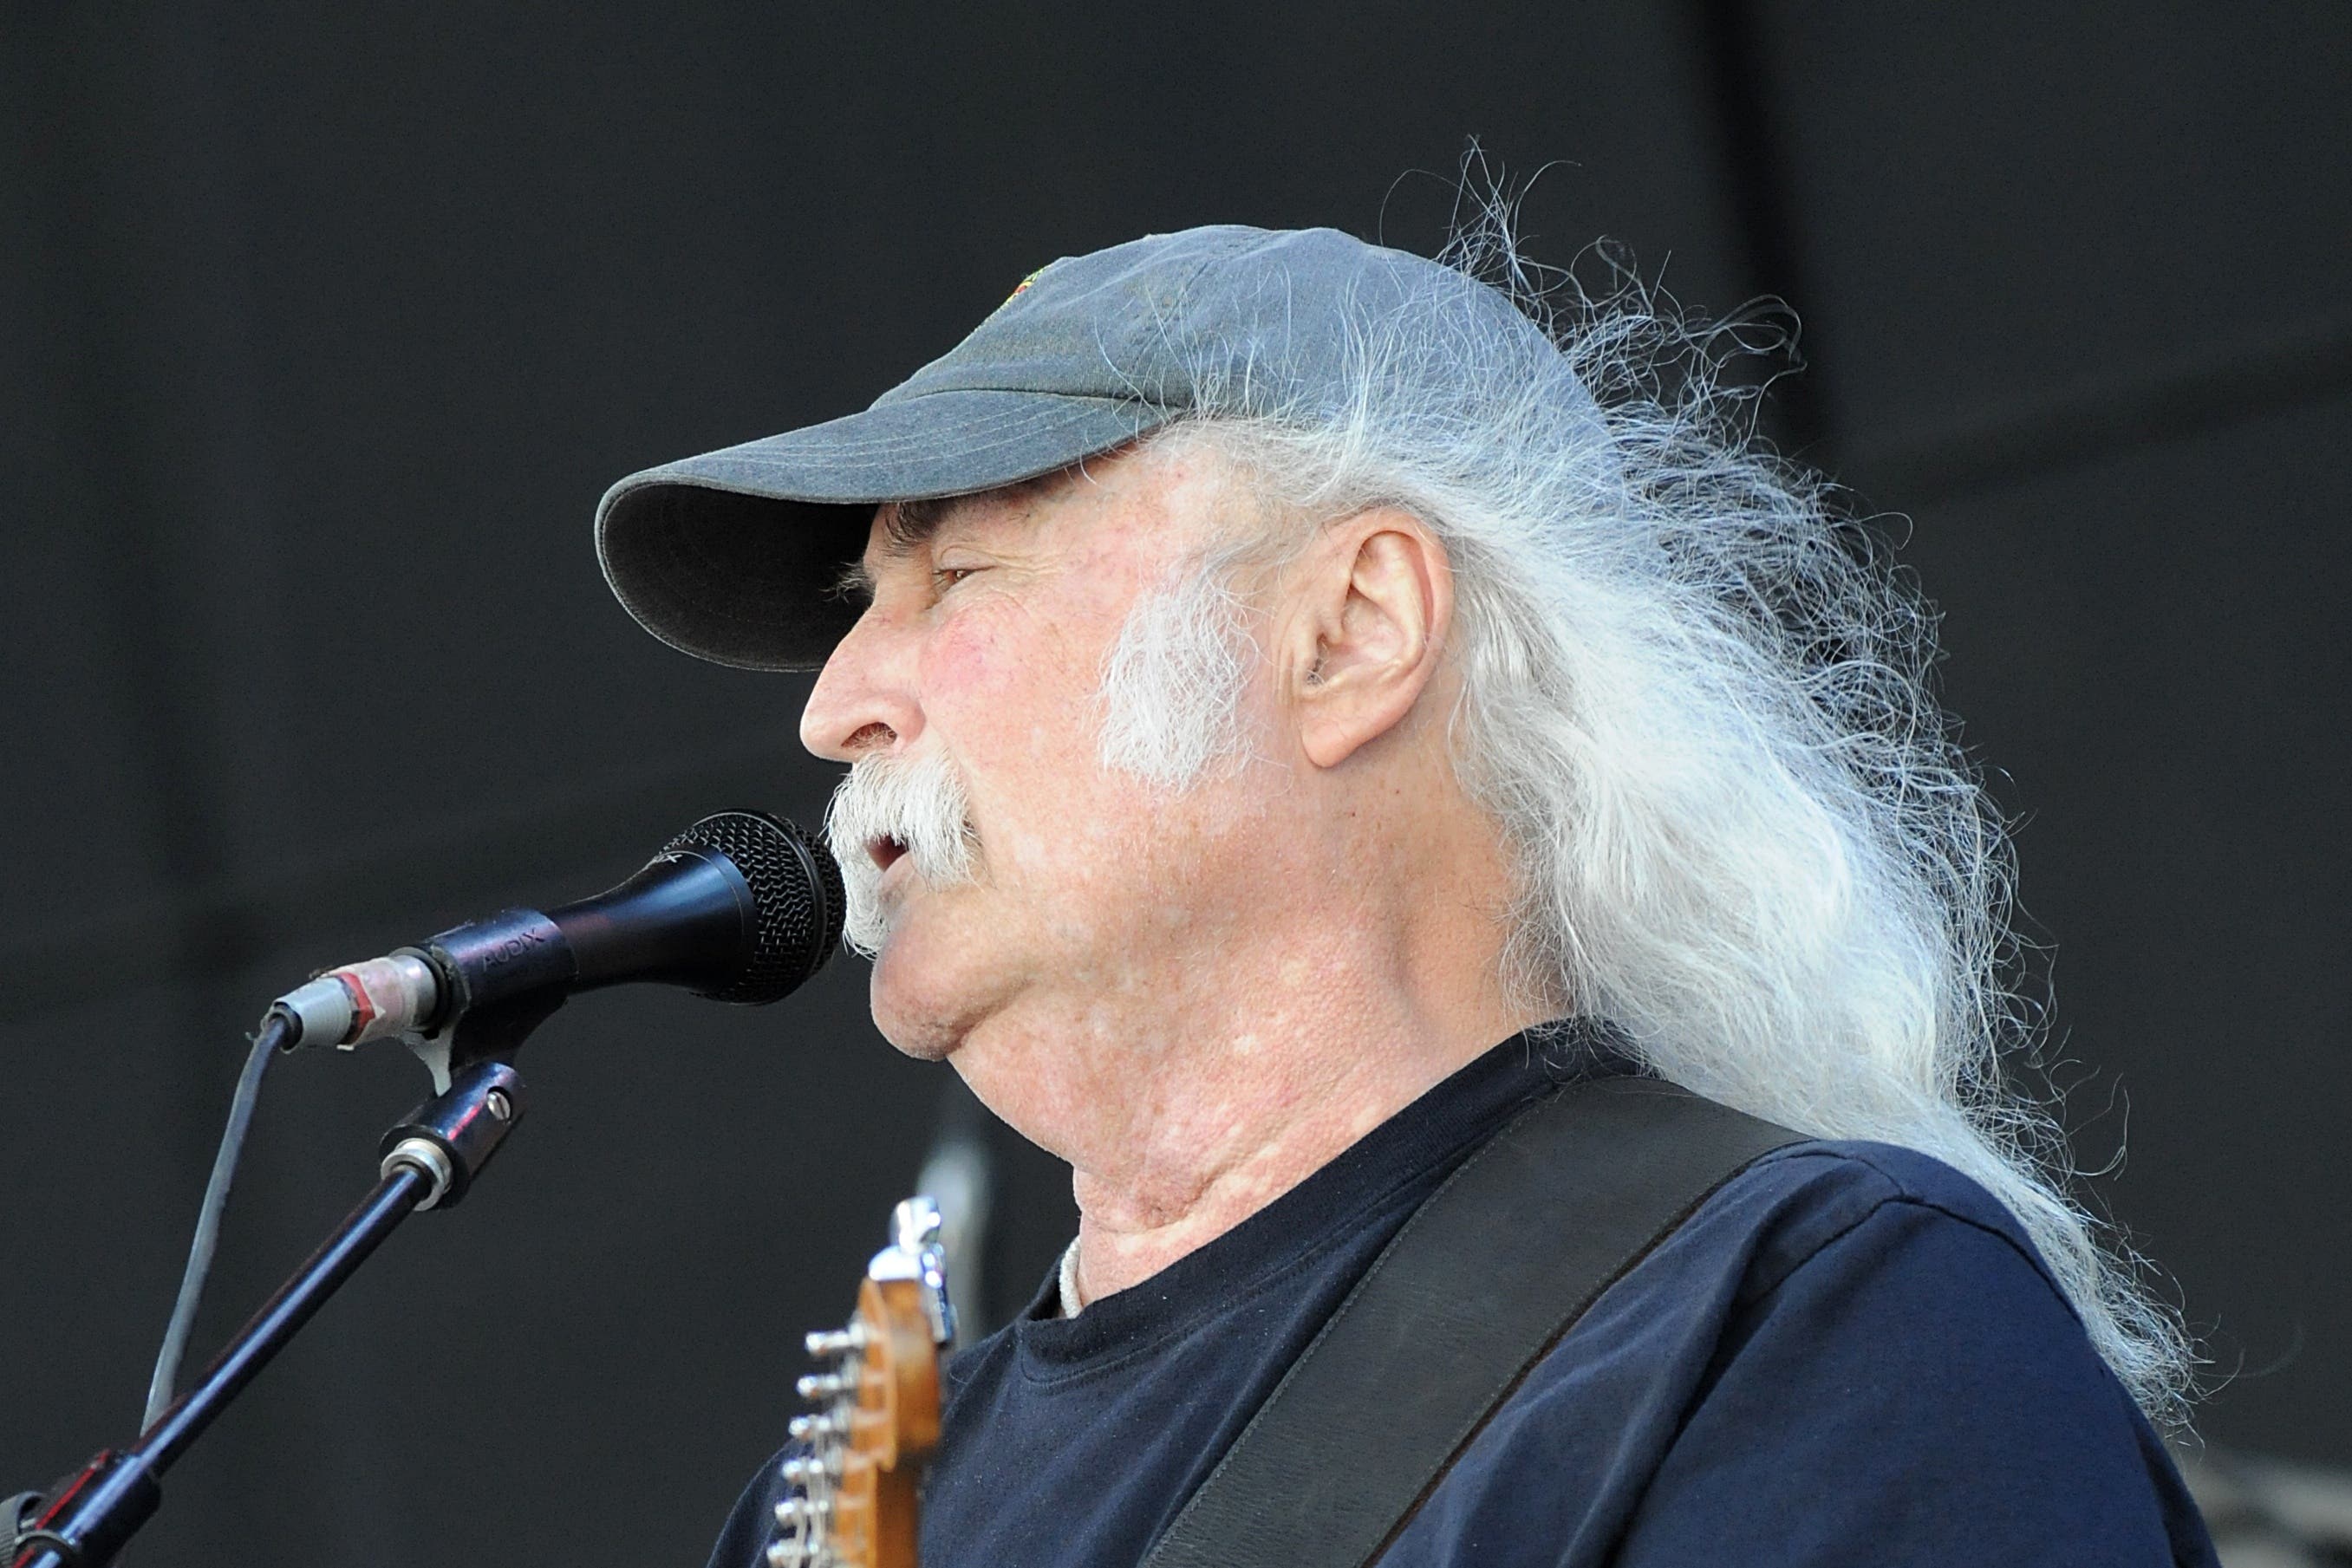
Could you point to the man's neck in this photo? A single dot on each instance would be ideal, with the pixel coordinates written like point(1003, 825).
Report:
point(1208, 1169)
point(1181, 1125)
point(1322, 962)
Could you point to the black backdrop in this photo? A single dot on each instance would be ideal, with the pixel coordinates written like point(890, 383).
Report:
point(323, 328)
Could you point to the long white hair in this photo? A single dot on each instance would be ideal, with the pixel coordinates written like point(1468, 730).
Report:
point(1697, 699)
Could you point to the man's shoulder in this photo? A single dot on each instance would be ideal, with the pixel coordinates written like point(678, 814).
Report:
point(1845, 1247)
point(1850, 1351)
point(1792, 1205)
point(1858, 1171)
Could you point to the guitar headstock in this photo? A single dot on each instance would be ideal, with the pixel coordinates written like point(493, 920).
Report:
point(876, 1411)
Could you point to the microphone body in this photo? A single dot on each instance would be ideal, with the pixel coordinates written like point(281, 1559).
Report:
point(742, 906)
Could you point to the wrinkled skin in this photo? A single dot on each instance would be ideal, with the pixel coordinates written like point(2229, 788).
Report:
point(1196, 998)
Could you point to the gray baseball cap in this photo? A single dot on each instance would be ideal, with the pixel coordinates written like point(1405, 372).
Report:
point(731, 556)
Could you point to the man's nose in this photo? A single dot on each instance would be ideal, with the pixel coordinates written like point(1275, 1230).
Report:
point(864, 698)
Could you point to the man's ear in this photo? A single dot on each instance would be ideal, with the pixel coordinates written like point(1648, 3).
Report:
point(1373, 605)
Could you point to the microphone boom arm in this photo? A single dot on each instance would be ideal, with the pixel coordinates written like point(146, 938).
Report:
point(430, 1159)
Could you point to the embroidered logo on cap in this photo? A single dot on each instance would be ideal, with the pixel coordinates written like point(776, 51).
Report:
point(1021, 287)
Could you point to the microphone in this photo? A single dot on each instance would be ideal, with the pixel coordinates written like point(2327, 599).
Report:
point(741, 907)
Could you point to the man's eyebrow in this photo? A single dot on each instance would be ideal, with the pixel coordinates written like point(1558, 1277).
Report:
point(910, 524)
point(905, 526)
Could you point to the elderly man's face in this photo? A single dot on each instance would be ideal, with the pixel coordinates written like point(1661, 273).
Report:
point(984, 651)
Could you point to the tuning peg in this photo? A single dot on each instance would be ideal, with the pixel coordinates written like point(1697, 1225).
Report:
point(810, 1470)
point(825, 1386)
point(810, 1428)
point(794, 1510)
point(836, 1341)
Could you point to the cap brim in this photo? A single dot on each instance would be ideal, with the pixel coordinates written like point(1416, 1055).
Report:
point(732, 556)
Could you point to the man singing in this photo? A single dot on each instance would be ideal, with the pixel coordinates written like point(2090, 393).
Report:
point(1306, 707)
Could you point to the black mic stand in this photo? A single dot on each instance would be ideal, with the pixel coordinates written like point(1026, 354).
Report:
point(430, 1159)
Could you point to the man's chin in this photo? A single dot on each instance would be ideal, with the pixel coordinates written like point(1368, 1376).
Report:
point(919, 1002)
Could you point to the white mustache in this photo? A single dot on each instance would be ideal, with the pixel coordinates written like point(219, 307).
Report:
point(917, 803)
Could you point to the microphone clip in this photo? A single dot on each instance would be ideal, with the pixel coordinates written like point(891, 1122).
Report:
point(419, 995)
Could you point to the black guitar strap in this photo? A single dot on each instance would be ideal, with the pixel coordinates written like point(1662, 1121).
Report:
point(1494, 1268)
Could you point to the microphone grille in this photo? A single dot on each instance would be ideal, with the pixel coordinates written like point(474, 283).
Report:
point(796, 890)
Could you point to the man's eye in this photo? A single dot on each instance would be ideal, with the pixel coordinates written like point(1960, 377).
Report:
point(946, 576)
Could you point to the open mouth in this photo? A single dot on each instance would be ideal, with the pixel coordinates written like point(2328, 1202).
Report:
point(884, 852)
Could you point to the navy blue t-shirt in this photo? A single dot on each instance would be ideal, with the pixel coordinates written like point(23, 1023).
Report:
point(1850, 1355)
